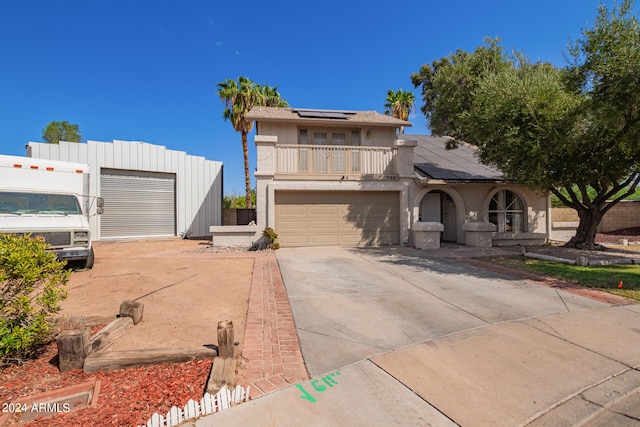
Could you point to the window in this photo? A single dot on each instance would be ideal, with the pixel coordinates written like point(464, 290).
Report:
point(320, 138)
point(328, 137)
point(506, 211)
point(303, 138)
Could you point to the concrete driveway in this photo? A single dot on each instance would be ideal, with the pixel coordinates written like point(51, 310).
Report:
point(395, 336)
point(362, 302)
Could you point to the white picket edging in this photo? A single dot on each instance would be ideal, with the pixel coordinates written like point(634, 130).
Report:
point(224, 399)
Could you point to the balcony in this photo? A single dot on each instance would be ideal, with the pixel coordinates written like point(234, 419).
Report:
point(335, 162)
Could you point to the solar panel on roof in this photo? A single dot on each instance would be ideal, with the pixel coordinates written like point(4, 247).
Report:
point(335, 116)
point(323, 114)
point(432, 159)
point(323, 111)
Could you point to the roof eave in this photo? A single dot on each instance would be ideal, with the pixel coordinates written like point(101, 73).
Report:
point(260, 114)
point(332, 122)
point(422, 178)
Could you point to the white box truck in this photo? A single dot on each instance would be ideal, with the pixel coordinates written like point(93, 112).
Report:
point(48, 198)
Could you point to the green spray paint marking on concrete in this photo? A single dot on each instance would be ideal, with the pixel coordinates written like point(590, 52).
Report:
point(318, 386)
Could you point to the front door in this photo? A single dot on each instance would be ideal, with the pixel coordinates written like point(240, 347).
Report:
point(449, 219)
point(438, 206)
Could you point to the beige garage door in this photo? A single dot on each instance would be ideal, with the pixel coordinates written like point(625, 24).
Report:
point(355, 218)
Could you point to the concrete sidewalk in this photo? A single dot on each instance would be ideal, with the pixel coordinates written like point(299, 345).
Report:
point(404, 337)
point(516, 373)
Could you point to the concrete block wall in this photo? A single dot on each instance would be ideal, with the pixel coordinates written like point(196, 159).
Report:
point(625, 214)
point(564, 215)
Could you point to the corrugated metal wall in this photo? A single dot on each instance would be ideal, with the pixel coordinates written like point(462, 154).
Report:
point(198, 180)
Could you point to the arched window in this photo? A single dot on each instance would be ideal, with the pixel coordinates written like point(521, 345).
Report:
point(506, 211)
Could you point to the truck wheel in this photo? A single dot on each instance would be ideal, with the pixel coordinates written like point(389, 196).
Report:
point(88, 263)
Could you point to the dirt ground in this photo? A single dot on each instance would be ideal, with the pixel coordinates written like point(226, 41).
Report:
point(186, 291)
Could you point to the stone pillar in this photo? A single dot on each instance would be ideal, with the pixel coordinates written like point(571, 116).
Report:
point(478, 234)
point(426, 235)
point(404, 160)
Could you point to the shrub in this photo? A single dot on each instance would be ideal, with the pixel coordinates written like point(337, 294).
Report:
point(272, 236)
point(32, 283)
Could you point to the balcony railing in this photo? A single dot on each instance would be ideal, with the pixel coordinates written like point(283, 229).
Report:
point(336, 160)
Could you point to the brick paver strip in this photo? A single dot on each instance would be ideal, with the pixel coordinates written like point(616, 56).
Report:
point(271, 347)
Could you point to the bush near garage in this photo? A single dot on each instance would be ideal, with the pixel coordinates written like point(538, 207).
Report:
point(267, 241)
point(270, 234)
point(32, 284)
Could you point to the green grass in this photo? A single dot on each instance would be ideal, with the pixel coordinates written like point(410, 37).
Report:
point(606, 277)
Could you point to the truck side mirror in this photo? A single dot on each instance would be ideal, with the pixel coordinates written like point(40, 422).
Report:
point(100, 205)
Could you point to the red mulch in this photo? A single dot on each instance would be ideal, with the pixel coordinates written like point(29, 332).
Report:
point(127, 397)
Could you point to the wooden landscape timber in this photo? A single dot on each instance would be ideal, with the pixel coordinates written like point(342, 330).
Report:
point(223, 372)
point(76, 350)
point(113, 360)
point(73, 347)
point(108, 335)
point(132, 309)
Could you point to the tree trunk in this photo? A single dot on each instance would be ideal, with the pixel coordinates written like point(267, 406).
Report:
point(585, 237)
point(247, 176)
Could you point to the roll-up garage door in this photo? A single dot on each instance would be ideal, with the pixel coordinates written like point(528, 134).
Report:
point(137, 204)
point(355, 218)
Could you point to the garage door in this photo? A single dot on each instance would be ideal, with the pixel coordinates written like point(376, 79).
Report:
point(137, 204)
point(356, 218)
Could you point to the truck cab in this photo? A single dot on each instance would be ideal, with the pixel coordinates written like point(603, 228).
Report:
point(47, 199)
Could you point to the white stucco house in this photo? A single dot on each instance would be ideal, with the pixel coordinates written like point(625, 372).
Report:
point(338, 177)
point(148, 190)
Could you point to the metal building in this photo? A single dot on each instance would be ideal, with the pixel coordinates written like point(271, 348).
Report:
point(148, 190)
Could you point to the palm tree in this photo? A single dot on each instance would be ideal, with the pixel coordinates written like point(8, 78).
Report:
point(239, 97)
point(399, 104)
point(271, 97)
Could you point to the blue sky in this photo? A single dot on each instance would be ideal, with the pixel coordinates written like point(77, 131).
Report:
point(141, 70)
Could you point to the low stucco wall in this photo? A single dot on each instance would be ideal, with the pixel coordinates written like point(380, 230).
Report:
point(234, 235)
point(518, 239)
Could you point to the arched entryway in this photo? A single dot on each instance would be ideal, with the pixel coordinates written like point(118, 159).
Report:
point(438, 206)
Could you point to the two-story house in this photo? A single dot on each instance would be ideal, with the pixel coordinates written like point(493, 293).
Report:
point(334, 177)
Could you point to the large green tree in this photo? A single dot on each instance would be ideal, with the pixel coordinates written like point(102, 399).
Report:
point(239, 97)
point(55, 132)
point(575, 129)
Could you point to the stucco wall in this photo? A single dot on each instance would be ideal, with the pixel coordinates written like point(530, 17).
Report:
point(472, 204)
point(287, 133)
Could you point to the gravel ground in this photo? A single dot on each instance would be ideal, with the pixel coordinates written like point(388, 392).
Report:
point(632, 235)
point(221, 249)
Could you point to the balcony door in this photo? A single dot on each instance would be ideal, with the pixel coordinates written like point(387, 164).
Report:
point(333, 154)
